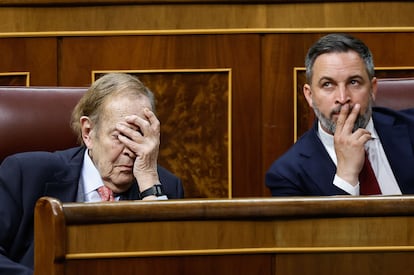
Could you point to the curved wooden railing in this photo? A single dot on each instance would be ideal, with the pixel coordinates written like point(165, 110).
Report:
point(251, 234)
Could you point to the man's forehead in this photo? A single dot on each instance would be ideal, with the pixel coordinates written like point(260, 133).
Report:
point(121, 106)
point(127, 99)
point(329, 65)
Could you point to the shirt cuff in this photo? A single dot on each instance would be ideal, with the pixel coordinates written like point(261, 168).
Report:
point(347, 187)
point(161, 198)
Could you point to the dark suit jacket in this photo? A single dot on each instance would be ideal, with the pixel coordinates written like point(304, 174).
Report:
point(306, 168)
point(26, 177)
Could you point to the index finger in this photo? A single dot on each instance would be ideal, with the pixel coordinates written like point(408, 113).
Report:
point(343, 114)
point(152, 118)
point(346, 119)
point(351, 119)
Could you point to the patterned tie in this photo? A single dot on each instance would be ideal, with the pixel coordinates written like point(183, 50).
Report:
point(367, 180)
point(106, 193)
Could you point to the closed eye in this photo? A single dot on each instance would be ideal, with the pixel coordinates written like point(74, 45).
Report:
point(115, 135)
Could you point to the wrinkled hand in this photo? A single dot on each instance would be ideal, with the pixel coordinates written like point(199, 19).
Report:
point(349, 146)
point(142, 137)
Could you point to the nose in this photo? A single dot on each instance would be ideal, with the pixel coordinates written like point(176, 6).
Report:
point(128, 152)
point(342, 95)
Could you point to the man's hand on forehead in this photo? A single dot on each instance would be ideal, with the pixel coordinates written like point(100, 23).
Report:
point(122, 126)
point(147, 126)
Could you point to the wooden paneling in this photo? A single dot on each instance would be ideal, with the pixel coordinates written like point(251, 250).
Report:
point(280, 54)
point(326, 235)
point(200, 265)
point(346, 263)
point(37, 56)
point(54, 17)
point(158, 2)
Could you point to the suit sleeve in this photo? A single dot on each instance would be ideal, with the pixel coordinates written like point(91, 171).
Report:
point(281, 185)
point(172, 184)
point(11, 219)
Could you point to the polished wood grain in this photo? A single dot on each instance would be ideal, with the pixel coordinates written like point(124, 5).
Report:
point(200, 265)
point(35, 56)
point(222, 209)
point(52, 225)
point(158, 2)
point(271, 234)
point(76, 16)
point(346, 263)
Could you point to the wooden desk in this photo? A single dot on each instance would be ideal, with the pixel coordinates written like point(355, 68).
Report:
point(306, 235)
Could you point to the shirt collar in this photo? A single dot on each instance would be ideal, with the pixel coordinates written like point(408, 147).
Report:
point(90, 175)
point(370, 127)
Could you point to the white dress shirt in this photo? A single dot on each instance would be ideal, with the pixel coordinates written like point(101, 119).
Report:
point(379, 162)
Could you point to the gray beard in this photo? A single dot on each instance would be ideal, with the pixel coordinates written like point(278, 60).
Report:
point(330, 125)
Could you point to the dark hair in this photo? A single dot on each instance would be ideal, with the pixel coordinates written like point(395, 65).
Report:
point(338, 43)
point(110, 84)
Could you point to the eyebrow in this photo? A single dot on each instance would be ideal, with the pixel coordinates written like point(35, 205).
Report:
point(330, 79)
point(325, 78)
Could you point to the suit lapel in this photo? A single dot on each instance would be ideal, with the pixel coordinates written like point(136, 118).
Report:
point(319, 167)
point(65, 184)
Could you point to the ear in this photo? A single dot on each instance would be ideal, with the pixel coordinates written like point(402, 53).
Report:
point(374, 84)
point(87, 131)
point(307, 92)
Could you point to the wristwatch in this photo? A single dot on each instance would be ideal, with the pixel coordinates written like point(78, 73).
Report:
point(155, 190)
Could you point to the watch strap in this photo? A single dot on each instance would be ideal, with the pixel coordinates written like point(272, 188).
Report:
point(155, 190)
